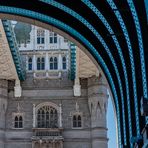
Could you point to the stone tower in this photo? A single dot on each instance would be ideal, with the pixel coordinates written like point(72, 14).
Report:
point(97, 100)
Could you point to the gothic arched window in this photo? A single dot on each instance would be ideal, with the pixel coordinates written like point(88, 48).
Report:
point(40, 36)
point(30, 63)
point(55, 38)
point(53, 63)
point(64, 62)
point(47, 117)
point(40, 63)
point(18, 121)
point(77, 121)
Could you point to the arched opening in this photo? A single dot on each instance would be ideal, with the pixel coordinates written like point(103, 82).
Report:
point(48, 119)
point(114, 64)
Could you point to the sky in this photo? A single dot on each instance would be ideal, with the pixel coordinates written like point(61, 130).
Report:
point(111, 125)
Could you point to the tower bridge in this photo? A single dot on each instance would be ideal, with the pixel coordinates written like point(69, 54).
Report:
point(113, 34)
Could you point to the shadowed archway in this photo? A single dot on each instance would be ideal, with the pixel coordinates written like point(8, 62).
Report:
point(114, 34)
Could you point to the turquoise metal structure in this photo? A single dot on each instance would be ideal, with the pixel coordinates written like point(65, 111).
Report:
point(73, 61)
point(14, 49)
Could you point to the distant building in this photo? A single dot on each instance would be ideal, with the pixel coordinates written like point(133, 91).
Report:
point(63, 102)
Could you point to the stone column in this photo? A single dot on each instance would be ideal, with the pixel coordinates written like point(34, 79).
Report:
point(35, 37)
point(34, 119)
point(33, 144)
point(34, 63)
point(53, 144)
point(61, 144)
point(3, 108)
point(60, 116)
point(60, 62)
point(60, 65)
point(46, 64)
point(97, 100)
point(17, 89)
point(46, 39)
point(77, 86)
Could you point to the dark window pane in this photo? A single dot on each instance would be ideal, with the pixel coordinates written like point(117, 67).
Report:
point(43, 66)
point(38, 66)
point(51, 66)
point(79, 118)
point(64, 65)
point(55, 39)
point(64, 59)
point(20, 124)
point(16, 124)
point(55, 66)
point(48, 117)
point(64, 62)
point(16, 118)
point(30, 66)
point(51, 59)
point(55, 59)
point(79, 123)
point(74, 124)
point(30, 60)
point(38, 40)
point(43, 59)
point(43, 63)
point(42, 41)
point(55, 63)
point(51, 40)
point(20, 119)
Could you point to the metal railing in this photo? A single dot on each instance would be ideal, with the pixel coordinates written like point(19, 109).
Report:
point(47, 132)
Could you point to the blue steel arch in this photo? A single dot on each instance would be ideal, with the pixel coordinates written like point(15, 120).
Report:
point(129, 71)
point(107, 25)
point(75, 33)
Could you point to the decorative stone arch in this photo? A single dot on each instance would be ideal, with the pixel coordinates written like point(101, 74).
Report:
point(50, 104)
point(77, 113)
point(47, 104)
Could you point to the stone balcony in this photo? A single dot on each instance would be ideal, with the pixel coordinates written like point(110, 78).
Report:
point(54, 74)
point(47, 133)
point(47, 137)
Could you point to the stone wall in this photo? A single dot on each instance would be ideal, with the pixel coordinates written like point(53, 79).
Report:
point(97, 100)
point(3, 108)
point(93, 132)
point(55, 91)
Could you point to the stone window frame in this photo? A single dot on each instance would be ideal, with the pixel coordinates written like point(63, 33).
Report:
point(53, 62)
point(53, 38)
point(50, 104)
point(50, 122)
point(64, 62)
point(40, 62)
point(28, 62)
point(13, 120)
point(40, 36)
point(77, 114)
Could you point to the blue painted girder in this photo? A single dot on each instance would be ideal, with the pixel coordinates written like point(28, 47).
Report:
point(14, 49)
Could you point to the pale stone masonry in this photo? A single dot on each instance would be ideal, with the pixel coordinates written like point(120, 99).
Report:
point(92, 104)
point(49, 109)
